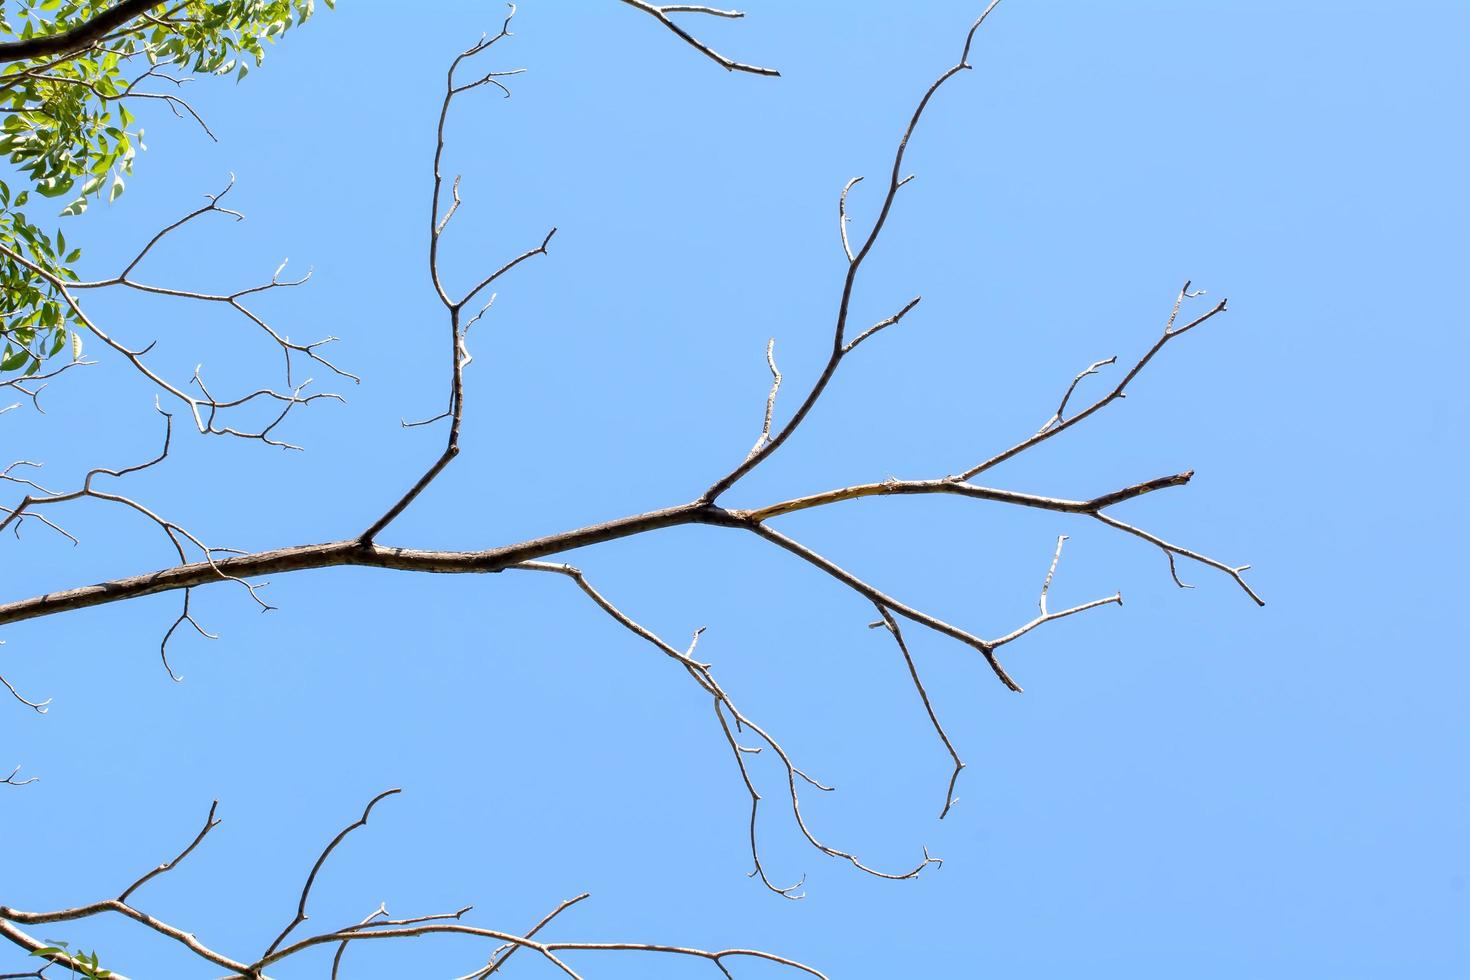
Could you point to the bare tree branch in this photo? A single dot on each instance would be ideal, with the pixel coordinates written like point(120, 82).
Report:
point(209, 824)
point(376, 926)
point(205, 411)
point(10, 780)
point(232, 300)
point(177, 536)
point(39, 707)
point(701, 672)
point(1046, 615)
point(498, 958)
point(854, 266)
point(661, 14)
point(765, 435)
point(986, 650)
point(354, 552)
point(34, 393)
point(1057, 424)
point(459, 356)
point(736, 728)
point(891, 625)
point(301, 915)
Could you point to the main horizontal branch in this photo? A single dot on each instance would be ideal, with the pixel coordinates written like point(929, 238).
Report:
point(354, 551)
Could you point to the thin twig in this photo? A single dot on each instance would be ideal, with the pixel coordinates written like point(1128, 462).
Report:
point(209, 824)
point(891, 625)
point(661, 14)
point(301, 915)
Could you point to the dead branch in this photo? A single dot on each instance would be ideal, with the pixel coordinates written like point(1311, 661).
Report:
point(10, 780)
point(854, 266)
point(662, 12)
point(887, 621)
point(207, 410)
point(363, 549)
point(459, 357)
point(375, 927)
point(178, 537)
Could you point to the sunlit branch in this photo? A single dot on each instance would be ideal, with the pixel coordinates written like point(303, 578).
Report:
point(459, 356)
point(703, 676)
point(854, 266)
point(746, 739)
point(375, 927)
point(79, 37)
point(888, 622)
point(1057, 424)
point(661, 12)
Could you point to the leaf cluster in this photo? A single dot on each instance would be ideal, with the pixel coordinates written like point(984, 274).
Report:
point(84, 966)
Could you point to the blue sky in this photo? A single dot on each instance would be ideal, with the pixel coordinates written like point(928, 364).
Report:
point(1190, 786)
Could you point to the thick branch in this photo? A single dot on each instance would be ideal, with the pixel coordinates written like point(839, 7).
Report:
point(78, 37)
point(354, 552)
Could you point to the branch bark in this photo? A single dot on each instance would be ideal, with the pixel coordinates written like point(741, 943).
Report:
point(79, 37)
point(363, 550)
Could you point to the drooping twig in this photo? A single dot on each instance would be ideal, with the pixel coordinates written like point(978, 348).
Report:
point(887, 621)
point(876, 597)
point(703, 676)
point(1234, 571)
point(39, 707)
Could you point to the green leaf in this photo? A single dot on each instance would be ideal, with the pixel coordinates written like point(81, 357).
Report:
point(15, 361)
point(54, 186)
